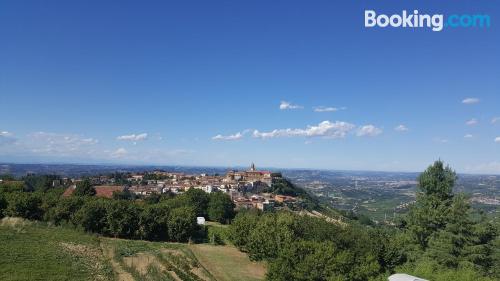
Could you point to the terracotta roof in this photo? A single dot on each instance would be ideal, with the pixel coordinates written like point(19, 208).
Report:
point(107, 191)
point(68, 192)
point(101, 191)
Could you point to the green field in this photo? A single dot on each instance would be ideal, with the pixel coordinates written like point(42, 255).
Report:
point(34, 251)
point(227, 263)
point(37, 251)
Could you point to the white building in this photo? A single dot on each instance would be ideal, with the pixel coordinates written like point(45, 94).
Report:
point(404, 277)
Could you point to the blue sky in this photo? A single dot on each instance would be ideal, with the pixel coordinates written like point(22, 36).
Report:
point(202, 83)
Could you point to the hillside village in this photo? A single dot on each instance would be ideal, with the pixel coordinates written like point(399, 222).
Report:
point(248, 189)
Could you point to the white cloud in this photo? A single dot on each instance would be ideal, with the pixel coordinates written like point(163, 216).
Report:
point(470, 101)
point(468, 136)
point(119, 153)
point(133, 137)
point(497, 139)
point(284, 105)
point(495, 120)
point(60, 144)
point(484, 168)
point(472, 122)
point(325, 109)
point(7, 138)
point(236, 136)
point(401, 128)
point(368, 131)
point(440, 140)
point(325, 129)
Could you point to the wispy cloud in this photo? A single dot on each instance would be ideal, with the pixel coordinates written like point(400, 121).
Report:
point(368, 131)
point(7, 138)
point(325, 109)
point(284, 105)
point(484, 168)
point(497, 139)
point(472, 122)
point(401, 128)
point(60, 144)
point(468, 136)
point(440, 140)
point(470, 101)
point(495, 120)
point(327, 129)
point(234, 137)
point(133, 137)
point(119, 153)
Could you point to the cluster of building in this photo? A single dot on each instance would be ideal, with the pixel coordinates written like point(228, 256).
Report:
point(246, 188)
point(251, 180)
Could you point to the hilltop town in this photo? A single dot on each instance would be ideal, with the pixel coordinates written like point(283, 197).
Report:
point(248, 189)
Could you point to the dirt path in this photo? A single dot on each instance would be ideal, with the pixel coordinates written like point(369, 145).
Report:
point(117, 268)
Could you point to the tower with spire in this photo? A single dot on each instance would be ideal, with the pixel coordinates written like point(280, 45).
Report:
point(252, 167)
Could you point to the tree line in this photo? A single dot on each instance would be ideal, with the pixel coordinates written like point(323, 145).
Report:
point(441, 238)
point(160, 218)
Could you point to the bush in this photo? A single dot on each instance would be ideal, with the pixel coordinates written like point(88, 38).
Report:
point(217, 235)
point(3, 205)
point(25, 205)
point(92, 216)
point(220, 207)
point(182, 224)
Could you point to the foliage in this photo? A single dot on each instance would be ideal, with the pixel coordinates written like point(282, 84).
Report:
point(181, 224)
point(122, 218)
point(124, 195)
point(92, 216)
point(25, 205)
point(3, 205)
point(84, 188)
point(220, 207)
point(65, 209)
point(198, 199)
point(154, 220)
point(11, 186)
point(283, 186)
point(217, 234)
point(441, 228)
point(241, 227)
point(41, 183)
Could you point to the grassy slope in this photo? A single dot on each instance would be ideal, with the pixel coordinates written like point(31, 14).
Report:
point(227, 263)
point(33, 251)
point(36, 251)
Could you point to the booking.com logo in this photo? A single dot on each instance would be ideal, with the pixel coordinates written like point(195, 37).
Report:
point(436, 22)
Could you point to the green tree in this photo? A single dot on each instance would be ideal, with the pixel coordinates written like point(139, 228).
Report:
point(92, 216)
point(241, 227)
point(84, 188)
point(122, 218)
point(11, 186)
point(272, 233)
point(124, 195)
point(182, 224)
point(434, 197)
point(153, 224)
point(25, 205)
point(3, 205)
point(321, 261)
point(220, 207)
point(199, 200)
point(65, 209)
point(40, 182)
